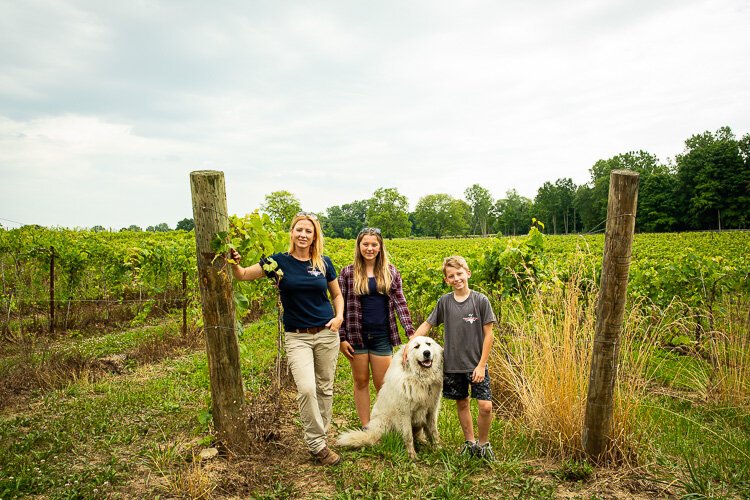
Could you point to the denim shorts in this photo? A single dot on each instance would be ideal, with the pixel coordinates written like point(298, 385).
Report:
point(377, 343)
point(456, 386)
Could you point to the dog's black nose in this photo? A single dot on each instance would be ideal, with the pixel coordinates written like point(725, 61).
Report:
point(427, 354)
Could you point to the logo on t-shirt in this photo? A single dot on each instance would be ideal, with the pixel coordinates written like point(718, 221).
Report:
point(313, 272)
point(471, 318)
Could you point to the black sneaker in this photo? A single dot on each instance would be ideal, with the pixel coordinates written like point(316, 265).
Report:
point(485, 452)
point(469, 449)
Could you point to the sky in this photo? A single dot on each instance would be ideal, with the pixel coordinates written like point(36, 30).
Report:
point(106, 107)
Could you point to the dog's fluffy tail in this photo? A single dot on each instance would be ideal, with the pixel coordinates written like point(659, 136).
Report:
point(360, 438)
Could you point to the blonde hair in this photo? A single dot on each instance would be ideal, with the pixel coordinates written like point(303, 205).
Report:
point(316, 248)
point(382, 270)
point(455, 261)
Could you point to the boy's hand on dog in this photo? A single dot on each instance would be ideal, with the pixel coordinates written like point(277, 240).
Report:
point(346, 349)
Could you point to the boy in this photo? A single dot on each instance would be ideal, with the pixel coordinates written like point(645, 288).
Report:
point(468, 319)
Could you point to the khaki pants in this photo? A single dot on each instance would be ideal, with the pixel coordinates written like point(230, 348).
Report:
point(312, 359)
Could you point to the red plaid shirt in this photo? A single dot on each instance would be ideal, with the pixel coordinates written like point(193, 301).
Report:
point(351, 328)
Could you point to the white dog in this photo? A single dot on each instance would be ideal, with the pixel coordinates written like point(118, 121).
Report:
point(409, 401)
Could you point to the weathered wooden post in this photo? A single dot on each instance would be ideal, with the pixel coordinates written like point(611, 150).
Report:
point(210, 215)
point(184, 303)
point(52, 289)
point(610, 310)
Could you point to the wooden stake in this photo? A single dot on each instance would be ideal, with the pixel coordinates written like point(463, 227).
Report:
point(52, 289)
point(610, 311)
point(184, 303)
point(227, 395)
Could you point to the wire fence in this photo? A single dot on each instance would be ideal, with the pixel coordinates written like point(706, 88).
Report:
point(64, 315)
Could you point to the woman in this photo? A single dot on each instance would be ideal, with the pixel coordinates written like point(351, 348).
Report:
point(372, 292)
point(310, 325)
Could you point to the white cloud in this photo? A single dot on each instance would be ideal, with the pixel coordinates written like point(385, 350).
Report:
point(112, 105)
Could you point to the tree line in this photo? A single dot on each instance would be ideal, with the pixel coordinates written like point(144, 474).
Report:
point(184, 225)
point(706, 187)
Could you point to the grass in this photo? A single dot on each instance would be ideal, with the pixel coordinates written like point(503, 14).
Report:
point(90, 437)
point(729, 352)
point(704, 448)
point(139, 433)
point(32, 366)
point(543, 373)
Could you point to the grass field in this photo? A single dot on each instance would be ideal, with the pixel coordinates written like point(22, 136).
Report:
point(125, 413)
point(137, 429)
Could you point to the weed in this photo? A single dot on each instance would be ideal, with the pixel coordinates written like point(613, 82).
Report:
point(191, 482)
point(162, 457)
point(574, 470)
point(531, 487)
point(696, 485)
point(729, 352)
point(279, 489)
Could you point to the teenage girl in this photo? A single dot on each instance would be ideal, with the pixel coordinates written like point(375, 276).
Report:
point(373, 296)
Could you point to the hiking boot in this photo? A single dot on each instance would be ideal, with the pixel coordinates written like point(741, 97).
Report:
point(485, 452)
point(469, 449)
point(326, 456)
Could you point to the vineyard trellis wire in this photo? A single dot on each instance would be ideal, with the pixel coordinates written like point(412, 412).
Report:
point(102, 276)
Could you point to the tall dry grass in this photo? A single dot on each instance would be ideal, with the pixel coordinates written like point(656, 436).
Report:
point(728, 348)
point(541, 371)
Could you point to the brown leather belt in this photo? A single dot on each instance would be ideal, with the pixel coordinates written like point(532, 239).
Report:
point(314, 329)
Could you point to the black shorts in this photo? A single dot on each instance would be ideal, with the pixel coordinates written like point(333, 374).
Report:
point(456, 386)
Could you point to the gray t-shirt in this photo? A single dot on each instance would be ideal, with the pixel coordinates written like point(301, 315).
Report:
point(463, 329)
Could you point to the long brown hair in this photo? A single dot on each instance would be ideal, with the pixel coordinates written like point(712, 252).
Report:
point(316, 248)
point(382, 270)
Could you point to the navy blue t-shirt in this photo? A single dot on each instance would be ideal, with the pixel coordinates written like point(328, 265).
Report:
point(374, 309)
point(304, 292)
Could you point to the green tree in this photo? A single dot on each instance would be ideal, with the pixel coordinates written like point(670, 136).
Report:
point(389, 211)
point(186, 225)
point(513, 214)
point(713, 179)
point(584, 207)
point(440, 215)
point(98, 229)
point(480, 200)
point(555, 204)
point(646, 165)
point(415, 229)
point(162, 227)
point(657, 201)
point(345, 221)
point(547, 205)
point(281, 207)
point(462, 213)
point(566, 191)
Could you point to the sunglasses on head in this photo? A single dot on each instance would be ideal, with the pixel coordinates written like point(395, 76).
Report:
point(307, 214)
point(370, 230)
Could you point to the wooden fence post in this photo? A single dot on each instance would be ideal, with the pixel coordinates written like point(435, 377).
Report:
point(227, 395)
point(52, 289)
point(610, 310)
point(184, 303)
